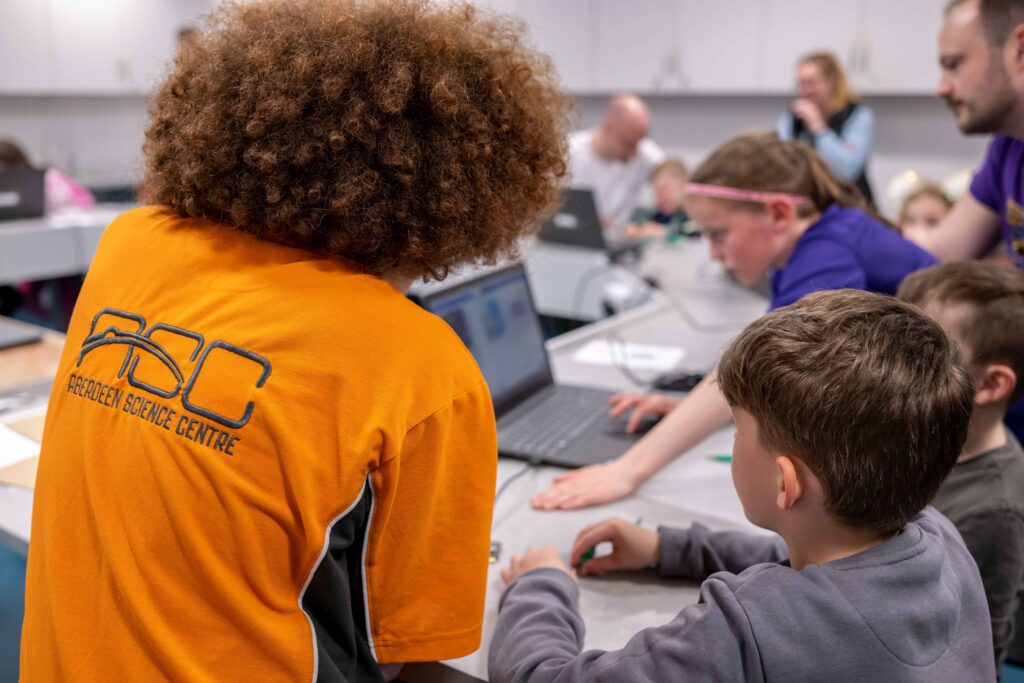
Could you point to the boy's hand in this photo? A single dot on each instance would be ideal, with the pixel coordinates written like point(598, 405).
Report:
point(633, 547)
point(533, 558)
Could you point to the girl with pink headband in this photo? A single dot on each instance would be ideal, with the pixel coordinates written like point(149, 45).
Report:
point(767, 207)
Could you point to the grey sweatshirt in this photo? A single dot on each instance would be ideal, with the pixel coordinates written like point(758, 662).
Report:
point(910, 609)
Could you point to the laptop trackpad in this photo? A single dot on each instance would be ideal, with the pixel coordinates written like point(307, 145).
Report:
point(601, 443)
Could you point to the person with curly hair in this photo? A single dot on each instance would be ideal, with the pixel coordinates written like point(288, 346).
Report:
point(261, 461)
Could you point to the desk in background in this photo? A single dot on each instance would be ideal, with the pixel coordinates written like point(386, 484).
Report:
point(30, 368)
point(56, 245)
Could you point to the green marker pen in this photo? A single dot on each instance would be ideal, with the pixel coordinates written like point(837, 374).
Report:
point(721, 457)
point(589, 554)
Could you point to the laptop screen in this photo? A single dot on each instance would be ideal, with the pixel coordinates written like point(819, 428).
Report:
point(495, 318)
point(22, 193)
point(576, 223)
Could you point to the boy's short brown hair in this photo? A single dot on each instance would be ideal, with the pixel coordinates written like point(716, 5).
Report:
point(406, 136)
point(863, 388)
point(673, 167)
point(990, 299)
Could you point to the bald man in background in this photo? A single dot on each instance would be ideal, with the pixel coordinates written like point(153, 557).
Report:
point(615, 160)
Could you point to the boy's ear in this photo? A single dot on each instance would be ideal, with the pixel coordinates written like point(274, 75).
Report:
point(790, 482)
point(995, 384)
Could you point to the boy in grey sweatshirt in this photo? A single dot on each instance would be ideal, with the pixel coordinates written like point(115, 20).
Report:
point(850, 409)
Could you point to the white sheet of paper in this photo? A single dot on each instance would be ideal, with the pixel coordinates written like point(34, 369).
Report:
point(14, 447)
point(633, 356)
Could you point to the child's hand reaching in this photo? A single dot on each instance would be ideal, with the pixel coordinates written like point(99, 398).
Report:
point(533, 558)
point(633, 547)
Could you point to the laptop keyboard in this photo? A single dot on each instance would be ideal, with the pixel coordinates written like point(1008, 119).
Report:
point(552, 425)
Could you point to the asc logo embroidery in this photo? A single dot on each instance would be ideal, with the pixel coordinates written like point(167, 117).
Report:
point(139, 340)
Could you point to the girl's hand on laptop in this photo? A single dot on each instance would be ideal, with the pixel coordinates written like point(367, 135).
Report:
point(533, 558)
point(586, 486)
point(633, 547)
point(642, 405)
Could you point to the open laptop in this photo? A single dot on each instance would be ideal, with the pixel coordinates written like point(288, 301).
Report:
point(14, 333)
point(577, 224)
point(538, 420)
point(22, 193)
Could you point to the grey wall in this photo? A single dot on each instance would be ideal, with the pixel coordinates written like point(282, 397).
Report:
point(98, 140)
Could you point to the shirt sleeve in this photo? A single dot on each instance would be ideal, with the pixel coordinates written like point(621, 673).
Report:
point(430, 534)
point(652, 152)
point(985, 184)
point(818, 265)
point(539, 638)
point(697, 553)
point(995, 540)
point(847, 154)
point(784, 126)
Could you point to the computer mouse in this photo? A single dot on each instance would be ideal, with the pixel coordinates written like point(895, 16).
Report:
point(678, 381)
point(617, 425)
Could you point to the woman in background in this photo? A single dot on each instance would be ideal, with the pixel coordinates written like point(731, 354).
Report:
point(828, 117)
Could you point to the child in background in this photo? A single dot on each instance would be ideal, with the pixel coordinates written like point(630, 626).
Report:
point(923, 209)
point(61, 192)
point(45, 302)
point(981, 306)
point(851, 408)
point(668, 217)
point(766, 206)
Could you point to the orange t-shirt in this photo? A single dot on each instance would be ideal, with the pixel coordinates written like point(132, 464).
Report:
point(258, 464)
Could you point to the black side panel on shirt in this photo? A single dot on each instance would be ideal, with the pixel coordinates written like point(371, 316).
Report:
point(336, 605)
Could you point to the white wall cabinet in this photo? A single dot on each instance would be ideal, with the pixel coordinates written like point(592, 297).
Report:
point(99, 47)
point(720, 45)
point(733, 46)
point(26, 63)
point(632, 51)
point(900, 47)
point(564, 29)
point(116, 46)
point(667, 46)
point(792, 28)
point(599, 46)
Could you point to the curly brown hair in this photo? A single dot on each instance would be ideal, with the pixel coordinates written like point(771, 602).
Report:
point(403, 135)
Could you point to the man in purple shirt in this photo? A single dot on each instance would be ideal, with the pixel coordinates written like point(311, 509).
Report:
point(981, 53)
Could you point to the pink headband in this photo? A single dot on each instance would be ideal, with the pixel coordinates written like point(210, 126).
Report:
point(723, 192)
